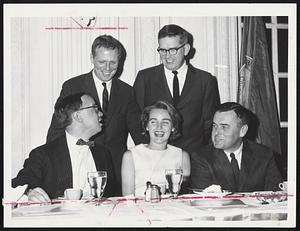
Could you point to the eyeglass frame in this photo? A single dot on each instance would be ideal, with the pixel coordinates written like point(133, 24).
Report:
point(168, 50)
point(95, 106)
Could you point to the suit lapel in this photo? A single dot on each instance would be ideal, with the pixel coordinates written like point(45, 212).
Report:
point(246, 163)
point(160, 75)
point(96, 160)
point(186, 90)
point(223, 168)
point(90, 85)
point(62, 165)
point(113, 100)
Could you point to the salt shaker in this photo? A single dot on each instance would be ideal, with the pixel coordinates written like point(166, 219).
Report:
point(148, 191)
point(155, 194)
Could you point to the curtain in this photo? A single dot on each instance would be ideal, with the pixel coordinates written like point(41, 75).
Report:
point(256, 83)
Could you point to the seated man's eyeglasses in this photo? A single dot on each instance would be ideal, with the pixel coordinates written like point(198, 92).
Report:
point(96, 107)
point(172, 51)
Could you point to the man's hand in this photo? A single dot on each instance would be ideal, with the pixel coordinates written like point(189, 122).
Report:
point(38, 195)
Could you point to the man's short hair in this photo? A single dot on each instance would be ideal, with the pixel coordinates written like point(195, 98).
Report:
point(173, 30)
point(175, 118)
point(65, 107)
point(106, 41)
point(242, 113)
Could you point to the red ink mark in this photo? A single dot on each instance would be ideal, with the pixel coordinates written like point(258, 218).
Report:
point(143, 213)
point(119, 200)
point(115, 205)
point(77, 22)
point(86, 28)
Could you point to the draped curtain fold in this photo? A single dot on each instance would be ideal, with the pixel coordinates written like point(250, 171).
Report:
point(256, 83)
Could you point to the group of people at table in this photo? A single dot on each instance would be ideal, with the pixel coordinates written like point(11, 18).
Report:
point(174, 116)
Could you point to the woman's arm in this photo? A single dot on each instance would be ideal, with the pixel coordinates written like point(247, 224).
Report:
point(127, 174)
point(186, 165)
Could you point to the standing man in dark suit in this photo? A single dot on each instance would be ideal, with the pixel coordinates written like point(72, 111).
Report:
point(117, 100)
point(193, 92)
point(64, 162)
point(234, 163)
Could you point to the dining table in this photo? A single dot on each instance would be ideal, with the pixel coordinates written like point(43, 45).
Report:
point(188, 210)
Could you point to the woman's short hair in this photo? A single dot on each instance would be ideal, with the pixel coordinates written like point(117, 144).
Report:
point(175, 118)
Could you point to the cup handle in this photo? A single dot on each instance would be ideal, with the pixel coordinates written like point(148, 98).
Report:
point(281, 186)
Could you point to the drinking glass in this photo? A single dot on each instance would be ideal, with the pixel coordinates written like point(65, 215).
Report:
point(97, 181)
point(174, 179)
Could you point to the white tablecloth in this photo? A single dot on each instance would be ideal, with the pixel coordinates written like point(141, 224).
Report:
point(186, 210)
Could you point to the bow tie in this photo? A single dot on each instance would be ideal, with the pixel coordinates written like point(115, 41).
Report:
point(88, 143)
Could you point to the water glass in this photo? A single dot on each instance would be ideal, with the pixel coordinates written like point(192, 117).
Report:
point(97, 181)
point(174, 179)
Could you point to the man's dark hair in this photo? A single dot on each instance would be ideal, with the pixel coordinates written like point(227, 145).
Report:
point(65, 106)
point(173, 30)
point(175, 117)
point(242, 113)
point(106, 41)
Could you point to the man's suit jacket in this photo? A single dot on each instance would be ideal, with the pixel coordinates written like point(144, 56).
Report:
point(123, 116)
point(49, 167)
point(258, 170)
point(197, 103)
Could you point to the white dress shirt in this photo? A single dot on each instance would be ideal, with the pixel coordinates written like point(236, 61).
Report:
point(238, 155)
point(82, 163)
point(181, 77)
point(100, 87)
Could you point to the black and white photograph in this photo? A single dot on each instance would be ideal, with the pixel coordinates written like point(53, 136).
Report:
point(149, 115)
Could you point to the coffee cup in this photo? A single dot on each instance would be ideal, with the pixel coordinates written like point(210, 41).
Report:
point(283, 186)
point(73, 194)
point(162, 187)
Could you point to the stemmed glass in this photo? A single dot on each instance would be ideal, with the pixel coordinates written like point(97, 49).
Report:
point(97, 181)
point(174, 179)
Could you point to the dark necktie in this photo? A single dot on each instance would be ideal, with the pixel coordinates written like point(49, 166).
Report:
point(104, 98)
point(175, 88)
point(235, 169)
point(88, 143)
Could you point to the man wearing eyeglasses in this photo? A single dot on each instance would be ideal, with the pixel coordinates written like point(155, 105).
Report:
point(192, 91)
point(64, 162)
point(116, 98)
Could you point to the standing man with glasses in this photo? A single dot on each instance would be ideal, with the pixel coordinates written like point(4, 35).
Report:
point(116, 98)
point(64, 162)
point(192, 91)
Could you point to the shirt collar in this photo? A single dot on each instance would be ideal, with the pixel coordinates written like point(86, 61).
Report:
point(181, 71)
point(97, 80)
point(71, 140)
point(237, 153)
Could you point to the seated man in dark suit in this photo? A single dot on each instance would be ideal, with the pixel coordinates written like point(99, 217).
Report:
point(64, 162)
point(233, 162)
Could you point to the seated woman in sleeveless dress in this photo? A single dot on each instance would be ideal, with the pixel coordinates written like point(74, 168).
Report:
point(148, 162)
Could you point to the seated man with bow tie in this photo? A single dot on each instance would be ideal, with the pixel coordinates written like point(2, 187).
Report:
point(64, 162)
point(233, 162)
